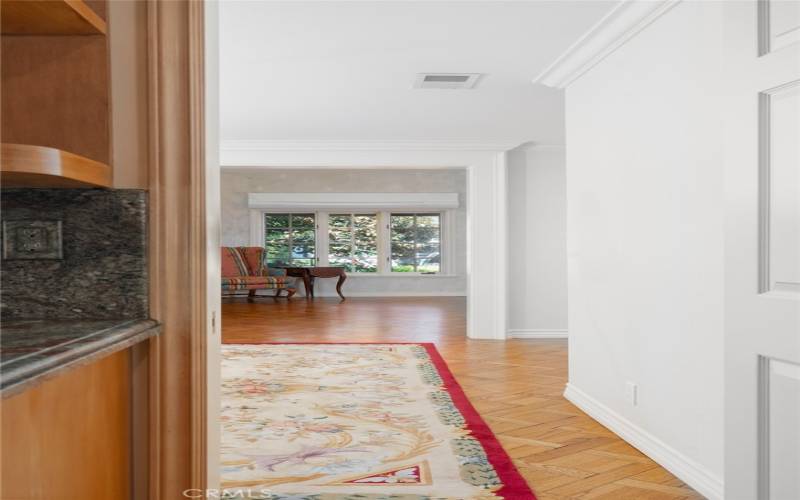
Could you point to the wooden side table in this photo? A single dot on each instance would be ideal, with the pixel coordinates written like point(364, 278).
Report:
point(309, 274)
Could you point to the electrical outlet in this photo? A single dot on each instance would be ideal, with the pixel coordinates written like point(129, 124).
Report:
point(632, 393)
point(32, 239)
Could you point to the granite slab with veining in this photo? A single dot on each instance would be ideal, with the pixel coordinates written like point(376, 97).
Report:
point(32, 351)
point(82, 299)
point(102, 269)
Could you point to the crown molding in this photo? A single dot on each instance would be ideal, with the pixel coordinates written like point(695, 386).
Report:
point(541, 147)
point(386, 145)
point(621, 24)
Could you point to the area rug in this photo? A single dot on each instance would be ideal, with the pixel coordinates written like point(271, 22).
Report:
point(354, 421)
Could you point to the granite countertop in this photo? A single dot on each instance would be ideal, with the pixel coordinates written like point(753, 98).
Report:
point(34, 350)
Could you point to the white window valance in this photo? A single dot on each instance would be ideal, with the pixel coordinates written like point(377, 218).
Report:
point(353, 201)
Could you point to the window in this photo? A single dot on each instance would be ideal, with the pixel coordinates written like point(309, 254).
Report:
point(353, 242)
point(290, 239)
point(416, 243)
point(377, 243)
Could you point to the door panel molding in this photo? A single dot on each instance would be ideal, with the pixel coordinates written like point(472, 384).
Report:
point(771, 281)
point(771, 372)
point(772, 36)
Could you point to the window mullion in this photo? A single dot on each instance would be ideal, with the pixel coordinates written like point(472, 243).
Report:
point(289, 245)
point(291, 240)
point(352, 241)
point(322, 238)
point(384, 243)
point(416, 240)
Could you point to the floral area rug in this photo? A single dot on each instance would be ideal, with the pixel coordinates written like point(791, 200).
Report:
point(352, 422)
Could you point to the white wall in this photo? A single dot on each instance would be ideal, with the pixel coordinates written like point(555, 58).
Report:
point(645, 241)
point(236, 184)
point(537, 241)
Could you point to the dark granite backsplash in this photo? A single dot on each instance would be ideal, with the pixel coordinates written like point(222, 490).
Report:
point(102, 272)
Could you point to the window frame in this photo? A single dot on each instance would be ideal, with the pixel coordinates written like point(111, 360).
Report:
point(352, 215)
point(415, 214)
point(263, 238)
point(321, 241)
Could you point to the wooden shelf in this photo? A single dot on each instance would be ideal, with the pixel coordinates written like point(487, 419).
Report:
point(50, 17)
point(22, 165)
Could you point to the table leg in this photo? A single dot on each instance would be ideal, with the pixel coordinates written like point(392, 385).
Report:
point(311, 280)
point(342, 277)
point(309, 287)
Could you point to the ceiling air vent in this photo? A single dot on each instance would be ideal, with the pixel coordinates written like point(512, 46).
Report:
point(446, 80)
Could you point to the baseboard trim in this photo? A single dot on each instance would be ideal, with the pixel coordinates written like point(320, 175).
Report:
point(686, 469)
point(537, 334)
point(388, 294)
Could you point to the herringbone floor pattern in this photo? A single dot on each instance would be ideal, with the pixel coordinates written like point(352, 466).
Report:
point(516, 386)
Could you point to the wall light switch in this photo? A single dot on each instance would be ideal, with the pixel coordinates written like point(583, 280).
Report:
point(32, 239)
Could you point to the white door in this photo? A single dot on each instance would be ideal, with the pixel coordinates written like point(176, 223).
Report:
point(762, 303)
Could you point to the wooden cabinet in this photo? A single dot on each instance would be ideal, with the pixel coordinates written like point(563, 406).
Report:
point(51, 17)
point(55, 99)
point(69, 437)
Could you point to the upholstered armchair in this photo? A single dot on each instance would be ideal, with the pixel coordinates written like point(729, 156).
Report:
point(245, 268)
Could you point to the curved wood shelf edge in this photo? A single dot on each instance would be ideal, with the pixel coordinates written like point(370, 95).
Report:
point(23, 165)
point(50, 17)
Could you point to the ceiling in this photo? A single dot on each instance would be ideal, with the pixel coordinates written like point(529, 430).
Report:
point(332, 70)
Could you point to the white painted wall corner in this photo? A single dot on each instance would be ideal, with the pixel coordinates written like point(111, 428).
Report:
point(621, 24)
point(686, 469)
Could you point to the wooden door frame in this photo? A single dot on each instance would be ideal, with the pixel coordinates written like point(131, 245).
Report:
point(177, 248)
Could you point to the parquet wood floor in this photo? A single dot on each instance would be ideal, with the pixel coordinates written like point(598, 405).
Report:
point(515, 385)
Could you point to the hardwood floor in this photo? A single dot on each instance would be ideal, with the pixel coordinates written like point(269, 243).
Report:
point(516, 386)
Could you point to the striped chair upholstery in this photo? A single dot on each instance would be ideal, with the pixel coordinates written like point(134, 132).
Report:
point(245, 268)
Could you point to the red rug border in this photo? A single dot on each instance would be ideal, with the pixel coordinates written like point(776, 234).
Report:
point(514, 485)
